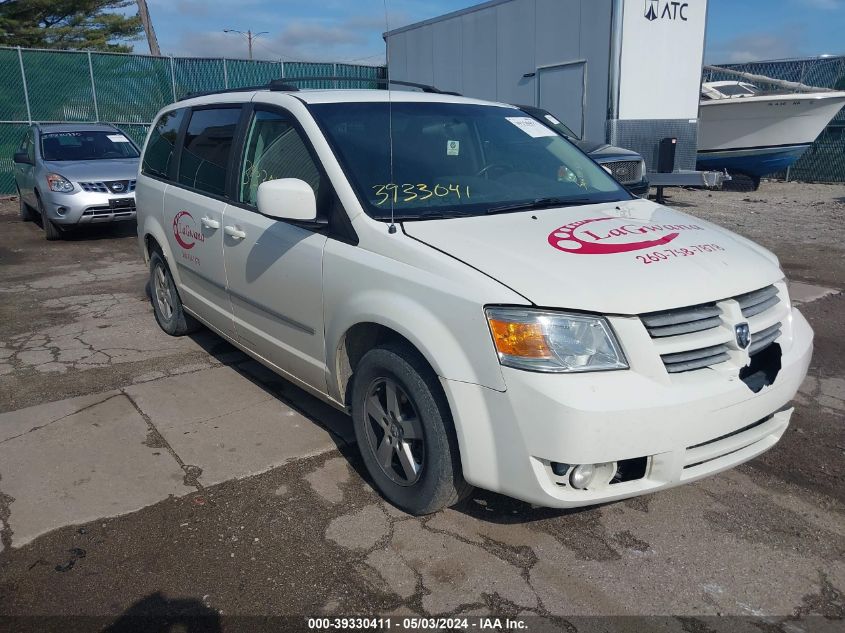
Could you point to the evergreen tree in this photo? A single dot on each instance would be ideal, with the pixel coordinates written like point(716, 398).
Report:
point(68, 24)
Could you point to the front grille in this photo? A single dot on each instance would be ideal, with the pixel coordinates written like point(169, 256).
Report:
point(695, 359)
point(106, 210)
point(627, 172)
point(693, 337)
point(682, 321)
point(107, 186)
point(758, 301)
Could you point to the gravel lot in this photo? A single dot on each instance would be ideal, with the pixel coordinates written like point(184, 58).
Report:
point(306, 535)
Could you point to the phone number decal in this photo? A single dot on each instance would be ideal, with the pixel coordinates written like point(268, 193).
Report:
point(673, 253)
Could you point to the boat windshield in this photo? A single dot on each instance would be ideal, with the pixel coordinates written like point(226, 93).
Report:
point(737, 90)
point(458, 159)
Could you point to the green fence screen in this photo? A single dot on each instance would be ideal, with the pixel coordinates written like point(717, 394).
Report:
point(128, 90)
point(824, 161)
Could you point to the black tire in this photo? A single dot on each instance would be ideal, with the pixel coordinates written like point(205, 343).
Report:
point(51, 231)
point(23, 208)
point(167, 305)
point(742, 183)
point(422, 407)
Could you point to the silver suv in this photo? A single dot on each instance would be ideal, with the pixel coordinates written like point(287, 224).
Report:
point(75, 173)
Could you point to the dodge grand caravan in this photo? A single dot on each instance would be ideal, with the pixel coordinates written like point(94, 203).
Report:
point(491, 307)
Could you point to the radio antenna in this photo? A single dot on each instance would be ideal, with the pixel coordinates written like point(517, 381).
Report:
point(392, 228)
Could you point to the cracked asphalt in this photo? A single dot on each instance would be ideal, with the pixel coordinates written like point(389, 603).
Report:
point(142, 475)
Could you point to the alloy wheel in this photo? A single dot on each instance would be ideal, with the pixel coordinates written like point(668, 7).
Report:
point(394, 431)
point(164, 293)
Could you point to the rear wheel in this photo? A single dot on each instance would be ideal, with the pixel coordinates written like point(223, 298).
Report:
point(167, 305)
point(23, 208)
point(405, 431)
point(51, 231)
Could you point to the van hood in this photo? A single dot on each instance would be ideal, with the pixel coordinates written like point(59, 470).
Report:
point(95, 170)
point(625, 257)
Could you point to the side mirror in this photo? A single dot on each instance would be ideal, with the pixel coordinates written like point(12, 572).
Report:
point(21, 157)
point(287, 199)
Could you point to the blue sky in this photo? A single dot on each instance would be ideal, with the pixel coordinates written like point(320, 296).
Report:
point(350, 30)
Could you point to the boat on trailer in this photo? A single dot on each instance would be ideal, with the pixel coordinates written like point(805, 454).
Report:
point(751, 133)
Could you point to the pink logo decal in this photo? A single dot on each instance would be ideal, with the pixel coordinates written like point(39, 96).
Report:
point(185, 232)
point(584, 237)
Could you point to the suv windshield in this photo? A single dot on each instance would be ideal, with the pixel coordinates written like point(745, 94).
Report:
point(86, 146)
point(458, 159)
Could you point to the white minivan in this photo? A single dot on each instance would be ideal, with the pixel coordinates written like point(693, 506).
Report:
point(491, 307)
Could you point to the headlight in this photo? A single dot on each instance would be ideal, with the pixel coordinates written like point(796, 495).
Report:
point(554, 342)
point(59, 183)
point(643, 169)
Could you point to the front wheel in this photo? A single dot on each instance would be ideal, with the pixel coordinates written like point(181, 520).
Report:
point(24, 211)
point(167, 305)
point(405, 432)
point(51, 231)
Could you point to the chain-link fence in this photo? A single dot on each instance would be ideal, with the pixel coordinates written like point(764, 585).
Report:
point(824, 161)
point(128, 90)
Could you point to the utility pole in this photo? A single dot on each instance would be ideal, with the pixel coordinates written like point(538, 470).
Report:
point(144, 14)
point(249, 35)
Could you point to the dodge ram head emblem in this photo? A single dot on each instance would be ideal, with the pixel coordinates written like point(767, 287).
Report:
point(743, 335)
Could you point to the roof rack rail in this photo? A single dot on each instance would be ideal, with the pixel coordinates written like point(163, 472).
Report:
point(207, 93)
point(283, 85)
point(286, 85)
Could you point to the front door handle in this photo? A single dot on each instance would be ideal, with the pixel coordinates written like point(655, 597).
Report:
point(234, 232)
point(209, 223)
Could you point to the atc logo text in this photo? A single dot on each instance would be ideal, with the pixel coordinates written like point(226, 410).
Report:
point(665, 10)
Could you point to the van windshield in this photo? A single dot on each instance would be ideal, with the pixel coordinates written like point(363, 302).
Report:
point(457, 159)
point(86, 146)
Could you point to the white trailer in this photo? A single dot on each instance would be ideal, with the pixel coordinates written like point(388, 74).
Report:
point(624, 71)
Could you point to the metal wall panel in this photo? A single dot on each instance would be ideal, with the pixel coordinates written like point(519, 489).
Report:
point(479, 55)
point(515, 35)
point(595, 43)
point(448, 55)
point(486, 51)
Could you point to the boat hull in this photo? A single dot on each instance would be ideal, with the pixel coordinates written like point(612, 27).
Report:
point(762, 135)
point(756, 162)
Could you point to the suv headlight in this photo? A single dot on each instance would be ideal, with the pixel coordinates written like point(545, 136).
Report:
point(59, 183)
point(554, 342)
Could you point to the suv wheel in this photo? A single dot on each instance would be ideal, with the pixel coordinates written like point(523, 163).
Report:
point(51, 231)
point(23, 210)
point(167, 305)
point(405, 432)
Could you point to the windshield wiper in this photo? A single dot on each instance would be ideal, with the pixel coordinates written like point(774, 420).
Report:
point(540, 203)
point(438, 215)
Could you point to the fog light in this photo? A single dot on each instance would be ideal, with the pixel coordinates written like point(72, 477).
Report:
point(582, 476)
point(559, 469)
point(61, 210)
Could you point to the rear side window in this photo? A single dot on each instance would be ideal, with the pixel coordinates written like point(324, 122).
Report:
point(162, 144)
point(207, 149)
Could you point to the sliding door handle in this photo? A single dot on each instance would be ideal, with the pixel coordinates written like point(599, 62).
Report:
point(235, 232)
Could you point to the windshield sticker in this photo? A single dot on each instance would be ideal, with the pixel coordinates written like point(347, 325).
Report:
point(118, 138)
point(453, 148)
point(553, 120)
point(419, 192)
point(606, 236)
point(532, 127)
